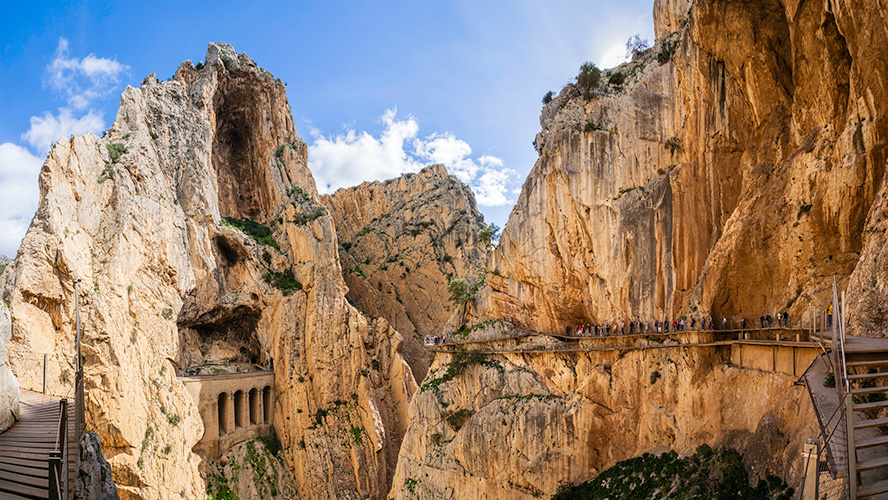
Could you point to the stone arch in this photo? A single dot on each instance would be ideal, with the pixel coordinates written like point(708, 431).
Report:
point(222, 413)
point(254, 406)
point(239, 409)
point(266, 405)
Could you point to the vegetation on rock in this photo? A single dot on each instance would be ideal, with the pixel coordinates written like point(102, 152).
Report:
point(708, 473)
point(588, 78)
point(260, 233)
point(284, 281)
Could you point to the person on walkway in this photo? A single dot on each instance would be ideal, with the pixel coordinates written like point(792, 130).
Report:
point(427, 340)
point(779, 319)
point(829, 311)
point(785, 319)
point(724, 323)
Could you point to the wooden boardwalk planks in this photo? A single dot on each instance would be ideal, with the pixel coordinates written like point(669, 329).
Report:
point(25, 447)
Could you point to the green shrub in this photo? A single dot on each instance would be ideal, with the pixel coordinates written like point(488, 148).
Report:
point(487, 235)
point(588, 78)
point(706, 474)
point(616, 79)
point(548, 97)
point(410, 484)
point(830, 380)
point(260, 233)
point(459, 418)
point(667, 48)
point(459, 289)
point(116, 150)
point(284, 281)
point(591, 127)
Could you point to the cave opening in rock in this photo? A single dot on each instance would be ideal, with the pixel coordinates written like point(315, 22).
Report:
point(238, 156)
point(221, 336)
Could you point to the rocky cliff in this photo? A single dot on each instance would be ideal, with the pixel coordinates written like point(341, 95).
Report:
point(401, 241)
point(518, 425)
point(9, 386)
point(194, 227)
point(732, 169)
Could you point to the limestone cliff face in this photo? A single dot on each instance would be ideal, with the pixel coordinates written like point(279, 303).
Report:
point(9, 386)
point(517, 425)
point(401, 241)
point(168, 286)
point(734, 178)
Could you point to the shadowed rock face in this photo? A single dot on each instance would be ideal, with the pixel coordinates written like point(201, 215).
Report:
point(400, 243)
point(734, 179)
point(167, 288)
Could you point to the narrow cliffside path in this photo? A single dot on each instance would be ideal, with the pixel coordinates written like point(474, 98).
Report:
point(25, 447)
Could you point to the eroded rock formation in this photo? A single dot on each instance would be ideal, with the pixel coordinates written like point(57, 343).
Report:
point(9, 386)
point(401, 241)
point(732, 172)
point(518, 425)
point(195, 230)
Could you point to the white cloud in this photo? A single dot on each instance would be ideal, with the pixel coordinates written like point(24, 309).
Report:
point(19, 170)
point(82, 81)
point(49, 128)
point(353, 157)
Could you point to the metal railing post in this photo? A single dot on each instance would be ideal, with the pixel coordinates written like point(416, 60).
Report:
point(852, 453)
point(45, 356)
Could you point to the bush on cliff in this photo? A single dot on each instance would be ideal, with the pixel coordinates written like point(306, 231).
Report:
point(708, 473)
point(588, 79)
point(260, 233)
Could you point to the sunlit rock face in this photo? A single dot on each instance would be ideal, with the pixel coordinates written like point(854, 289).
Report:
point(401, 241)
point(168, 289)
point(732, 177)
point(733, 170)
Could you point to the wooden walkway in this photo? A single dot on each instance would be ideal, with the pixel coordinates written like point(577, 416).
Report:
point(25, 447)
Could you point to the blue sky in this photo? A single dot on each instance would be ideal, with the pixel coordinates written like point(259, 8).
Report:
point(376, 88)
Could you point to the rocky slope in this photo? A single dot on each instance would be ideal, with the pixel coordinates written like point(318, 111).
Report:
point(735, 170)
point(518, 425)
point(401, 241)
point(194, 228)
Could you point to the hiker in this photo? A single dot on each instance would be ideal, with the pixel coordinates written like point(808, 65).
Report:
point(785, 319)
point(742, 323)
point(829, 311)
point(427, 340)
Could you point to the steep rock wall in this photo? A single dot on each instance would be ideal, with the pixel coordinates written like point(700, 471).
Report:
point(734, 179)
point(530, 421)
point(166, 287)
point(9, 386)
point(401, 241)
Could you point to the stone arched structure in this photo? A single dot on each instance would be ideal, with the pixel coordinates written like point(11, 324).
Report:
point(234, 407)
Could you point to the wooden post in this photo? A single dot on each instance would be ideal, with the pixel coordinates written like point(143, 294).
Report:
point(811, 456)
point(45, 356)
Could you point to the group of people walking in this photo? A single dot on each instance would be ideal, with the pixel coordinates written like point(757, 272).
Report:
point(705, 323)
point(434, 339)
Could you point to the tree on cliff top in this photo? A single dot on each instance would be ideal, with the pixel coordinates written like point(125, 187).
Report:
point(588, 78)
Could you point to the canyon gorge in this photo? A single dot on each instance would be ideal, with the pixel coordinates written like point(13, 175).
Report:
point(732, 169)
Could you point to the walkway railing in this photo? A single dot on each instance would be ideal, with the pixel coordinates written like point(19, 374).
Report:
point(58, 470)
